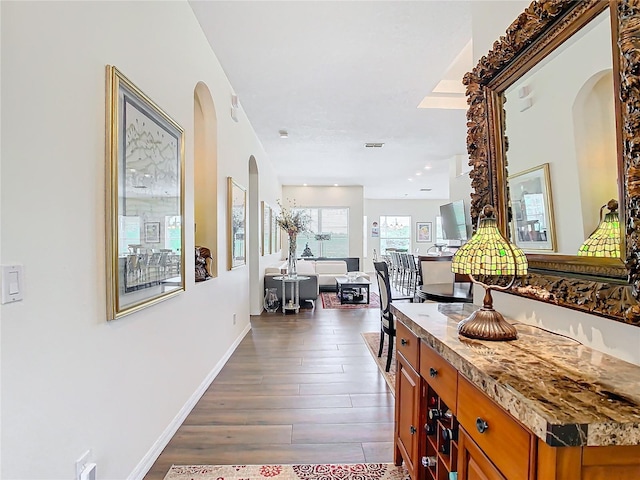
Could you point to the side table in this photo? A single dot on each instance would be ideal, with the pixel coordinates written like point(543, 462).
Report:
point(294, 292)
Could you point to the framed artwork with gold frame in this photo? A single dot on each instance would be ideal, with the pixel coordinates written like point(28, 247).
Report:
point(266, 229)
point(532, 224)
point(144, 199)
point(236, 223)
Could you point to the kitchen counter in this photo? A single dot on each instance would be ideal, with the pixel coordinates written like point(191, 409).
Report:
point(567, 394)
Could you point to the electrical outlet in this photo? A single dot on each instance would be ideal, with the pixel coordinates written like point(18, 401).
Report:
point(82, 462)
point(234, 318)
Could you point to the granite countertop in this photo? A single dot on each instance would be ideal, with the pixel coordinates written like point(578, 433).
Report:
point(565, 393)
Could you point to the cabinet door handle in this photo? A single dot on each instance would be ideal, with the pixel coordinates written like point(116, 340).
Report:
point(481, 425)
point(412, 429)
point(433, 372)
point(404, 341)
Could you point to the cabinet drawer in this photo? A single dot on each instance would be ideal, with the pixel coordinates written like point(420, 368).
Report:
point(473, 463)
point(504, 440)
point(440, 375)
point(407, 344)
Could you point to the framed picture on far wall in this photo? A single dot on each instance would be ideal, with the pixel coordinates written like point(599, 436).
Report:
point(423, 232)
point(532, 207)
point(152, 232)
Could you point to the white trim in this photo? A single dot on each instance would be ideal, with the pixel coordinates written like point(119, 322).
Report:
point(154, 452)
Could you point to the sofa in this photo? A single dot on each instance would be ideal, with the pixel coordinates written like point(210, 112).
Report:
point(323, 275)
point(308, 288)
point(328, 270)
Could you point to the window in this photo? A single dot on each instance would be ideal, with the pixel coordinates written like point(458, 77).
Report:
point(173, 233)
point(395, 232)
point(129, 230)
point(330, 233)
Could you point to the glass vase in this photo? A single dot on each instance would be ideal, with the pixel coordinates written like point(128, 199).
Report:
point(291, 265)
point(271, 300)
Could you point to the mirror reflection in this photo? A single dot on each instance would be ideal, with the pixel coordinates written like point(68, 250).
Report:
point(150, 237)
point(562, 161)
point(237, 223)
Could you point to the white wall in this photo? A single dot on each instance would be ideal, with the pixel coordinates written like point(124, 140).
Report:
point(70, 379)
point(460, 182)
point(489, 21)
point(418, 210)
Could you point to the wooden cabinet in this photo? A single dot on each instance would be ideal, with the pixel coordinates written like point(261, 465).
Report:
point(408, 345)
point(498, 434)
point(440, 384)
point(482, 441)
point(408, 393)
point(473, 464)
point(440, 375)
point(440, 446)
point(407, 416)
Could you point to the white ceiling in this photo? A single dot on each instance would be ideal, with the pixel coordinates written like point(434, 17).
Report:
point(338, 74)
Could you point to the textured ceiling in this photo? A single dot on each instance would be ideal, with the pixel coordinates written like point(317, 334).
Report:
point(336, 75)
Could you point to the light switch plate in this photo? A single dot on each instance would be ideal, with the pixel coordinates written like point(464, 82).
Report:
point(12, 283)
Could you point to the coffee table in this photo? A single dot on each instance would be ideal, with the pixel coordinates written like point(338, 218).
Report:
point(351, 290)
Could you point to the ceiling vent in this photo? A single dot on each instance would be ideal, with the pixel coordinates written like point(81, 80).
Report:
point(373, 145)
point(425, 189)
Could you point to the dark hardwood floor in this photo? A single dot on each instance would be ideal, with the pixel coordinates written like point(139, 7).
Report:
point(299, 389)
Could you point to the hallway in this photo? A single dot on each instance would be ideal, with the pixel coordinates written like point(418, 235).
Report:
point(299, 389)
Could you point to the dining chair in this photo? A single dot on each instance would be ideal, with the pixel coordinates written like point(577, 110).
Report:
point(412, 273)
point(387, 321)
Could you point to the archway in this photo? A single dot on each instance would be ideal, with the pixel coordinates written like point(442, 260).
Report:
point(595, 142)
point(255, 286)
point(206, 172)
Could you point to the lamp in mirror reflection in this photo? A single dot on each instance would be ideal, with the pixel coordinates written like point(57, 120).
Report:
point(605, 240)
point(488, 253)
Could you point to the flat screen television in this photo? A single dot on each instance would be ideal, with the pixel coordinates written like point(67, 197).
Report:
point(454, 221)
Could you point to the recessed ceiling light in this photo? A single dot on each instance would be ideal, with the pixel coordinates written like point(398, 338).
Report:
point(418, 173)
point(410, 179)
point(283, 134)
point(304, 184)
point(428, 167)
point(374, 145)
point(335, 184)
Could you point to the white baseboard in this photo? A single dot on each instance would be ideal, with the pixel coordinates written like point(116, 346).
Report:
point(152, 455)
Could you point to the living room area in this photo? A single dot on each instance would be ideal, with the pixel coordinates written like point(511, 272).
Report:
point(356, 229)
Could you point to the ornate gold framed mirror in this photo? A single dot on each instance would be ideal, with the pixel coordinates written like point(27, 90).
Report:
point(593, 127)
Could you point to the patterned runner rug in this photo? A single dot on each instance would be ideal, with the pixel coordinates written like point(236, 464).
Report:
point(331, 300)
point(358, 471)
point(372, 340)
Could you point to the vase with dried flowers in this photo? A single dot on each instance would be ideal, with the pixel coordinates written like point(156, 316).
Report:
point(294, 221)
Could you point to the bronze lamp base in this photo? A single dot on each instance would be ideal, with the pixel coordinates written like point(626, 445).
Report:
point(487, 324)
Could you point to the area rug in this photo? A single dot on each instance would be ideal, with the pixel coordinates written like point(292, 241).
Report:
point(331, 300)
point(372, 340)
point(357, 471)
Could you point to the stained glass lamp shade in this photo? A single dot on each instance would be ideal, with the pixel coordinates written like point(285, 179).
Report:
point(488, 253)
point(605, 240)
